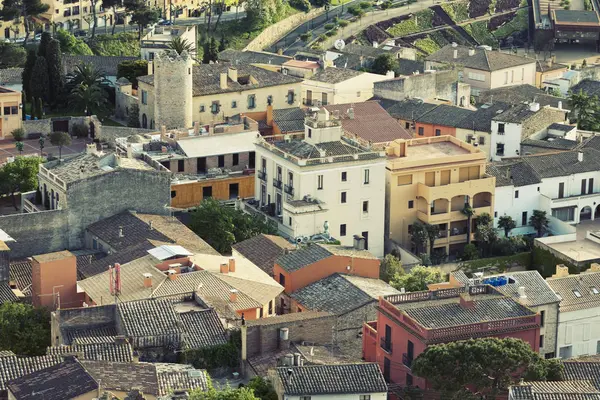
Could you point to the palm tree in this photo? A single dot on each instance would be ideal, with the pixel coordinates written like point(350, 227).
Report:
point(507, 223)
point(469, 212)
point(180, 45)
point(419, 236)
point(539, 221)
point(88, 74)
point(91, 99)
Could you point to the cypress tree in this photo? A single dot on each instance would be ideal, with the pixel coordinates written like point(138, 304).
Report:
point(213, 50)
point(40, 108)
point(39, 79)
point(23, 110)
point(43, 47)
point(55, 78)
point(27, 73)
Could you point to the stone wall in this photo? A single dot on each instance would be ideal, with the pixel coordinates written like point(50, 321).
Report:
point(108, 134)
point(276, 31)
point(105, 195)
point(80, 318)
point(425, 86)
point(36, 233)
point(40, 126)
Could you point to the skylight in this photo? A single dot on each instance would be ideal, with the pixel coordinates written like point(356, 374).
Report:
point(594, 290)
point(576, 293)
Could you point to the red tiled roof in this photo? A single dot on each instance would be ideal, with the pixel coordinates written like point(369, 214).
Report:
point(371, 122)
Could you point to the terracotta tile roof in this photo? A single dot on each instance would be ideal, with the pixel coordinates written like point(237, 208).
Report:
point(577, 291)
point(482, 59)
point(371, 122)
point(335, 379)
point(263, 250)
point(20, 275)
point(202, 329)
point(303, 257)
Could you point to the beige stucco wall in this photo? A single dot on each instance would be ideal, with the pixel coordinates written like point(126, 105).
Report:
point(10, 122)
point(353, 90)
point(148, 108)
point(463, 133)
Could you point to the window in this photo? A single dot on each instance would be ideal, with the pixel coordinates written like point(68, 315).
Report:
point(215, 107)
point(282, 279)
point(404, 180)
point(482, 140)
point(233, 104)
point(421, 131)
point(564, 213)
point(319, 182)
point(344, 176)
point(409, 379)
point(252, 159)
point(364, 397)
point(365, 207)
point(221, 161)
point(542, 318)
point(501, 129)
point(500, 149)
point(357, 94)
point(271, 307)
point(202, 108)
point(583, 185)
point(343, 197)
point(251, 101)
point(561, 190)
point(366, 177)
point(411, 204)
point(550, 355)
point(576, 293)
point(565, 352)
point(290, 97)
point(261, 313)
point(343, 230)
point(516, 194)
point(598, 347)
point(524, 218)
point(180, 165)
point(206, 192)
point(6, 110)
point(76, 10)
point(201, 165)
point(469, 138)
point(236, 159)
point(476, 77)
point(269, 100)
point(144, 97)
point(386, 369)
point(541, 341)
point(590, 185)
point(438, 132)
point(309, 132)
point(407, 125)
point(95, 244)
point(290, 221)
point(365, 235)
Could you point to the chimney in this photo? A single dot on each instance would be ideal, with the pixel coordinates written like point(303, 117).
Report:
point(350, 113)
point(561, 271)
point(196, 128)
point(223, 80)
point(232, 264)
point(224, 268)
point(297, 358)
point(559, 106)
point(390, 74)
point(284, 339)
point(150, 225)
point(455, 54)
point(359, 242)
point(163, 132)
point(466, 300)
point(471, 52)
point(172, 274)
point(535, 107)
point(270, 114)
point(121, 232)
point(232, 73)
point(147, 280)
point(522, 294)
point(233, 295)
point(375, 44)
point(580, 156)
point(508, 174)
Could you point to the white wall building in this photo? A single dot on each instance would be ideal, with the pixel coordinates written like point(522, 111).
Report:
point(566, 185)
point(323, 183)
point(579, 316)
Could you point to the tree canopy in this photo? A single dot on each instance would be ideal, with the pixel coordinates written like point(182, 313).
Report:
point(507, 223)
point(539, 221)
point(389, 267)
point(19, 176)
point(222, 226)
point(587, 110)
point(417, 278)
point(26, 10)
point(486, 365)
point(71, 45)
point(384, 63)
point(24, 330)
point(12, 55)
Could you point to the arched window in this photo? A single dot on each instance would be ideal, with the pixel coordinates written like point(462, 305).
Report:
point(144, 121)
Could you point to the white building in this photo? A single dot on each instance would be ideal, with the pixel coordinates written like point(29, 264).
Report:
point(158, 39)
point(579, 315)
point(518, 123)
point(330, 381)
point(323, 184)
point(565, 184)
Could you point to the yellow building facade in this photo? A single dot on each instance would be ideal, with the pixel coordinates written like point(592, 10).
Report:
point(10, 112)
point(432, 180)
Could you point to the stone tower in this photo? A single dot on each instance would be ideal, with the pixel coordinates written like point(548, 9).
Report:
point(173, 90)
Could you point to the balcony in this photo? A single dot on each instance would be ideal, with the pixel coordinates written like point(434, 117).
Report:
point(406, 360)
point(262, 175)
point(467, 188)
point(289, 189)
point(277, 183)
point(386, 345)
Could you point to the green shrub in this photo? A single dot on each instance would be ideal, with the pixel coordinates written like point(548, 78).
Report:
point(499, 263)
point(365, 5)
point(305, 37)
point(121, 44)
point(322, 37)
point(330, 33)
point(329, 26)
point(458, 11)
point(18, 134)
point(427, 45)
point(79, 130)
point(343, 23)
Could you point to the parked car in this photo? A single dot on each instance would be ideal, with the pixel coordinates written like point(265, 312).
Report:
point(80, 33)
point(165, 23)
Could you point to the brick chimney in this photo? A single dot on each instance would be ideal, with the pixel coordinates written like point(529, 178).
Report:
point(224, 268)
point(233, 295)
point(561, 271)
point(466, 301)
point(223, 80)
point(232, 264)
point(269, 115)
point(147, 280)
point(172, 274)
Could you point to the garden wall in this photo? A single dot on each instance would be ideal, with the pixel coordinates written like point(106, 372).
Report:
point(40, 126)
point(276, 31)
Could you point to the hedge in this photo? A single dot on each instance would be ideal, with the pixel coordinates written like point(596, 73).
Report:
point(500, 263)
point(545, 262)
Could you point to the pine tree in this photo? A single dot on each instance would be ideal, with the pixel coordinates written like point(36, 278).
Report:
point(27, 73)
point(43, 47)
point(55, 76)
point(26, 10)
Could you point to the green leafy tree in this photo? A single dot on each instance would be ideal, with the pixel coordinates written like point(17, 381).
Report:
point(92, 100)
point(419, 236)
point(12, 56)
point(40, 82)
point(222, 226)
point(19, 176)
point(262, 389)
point(133, 117)
point(242, 393)
point(71, 45)
point(141, 14)
point(179, 45)
point(55, 75)
point(19, 145)
point(485, 234)
point(470, 252)
point(356, 11)
point(112, 4)
point(488, 366)
point(132, 69)
point(44, 41)
point(60, 139)
point(507, 223)
point(433, 232)
point(86, 74)
point(539, 221)
point(417, 278)
point(28, 73)
point(305, 37)
point(24, 10)
point(24, 330)
point(586, 109)
point(389, 267)
point(384, 63)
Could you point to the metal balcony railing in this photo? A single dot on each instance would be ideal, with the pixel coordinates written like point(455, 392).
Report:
point(406, 360)
point(289, 190)
point(386, 345)
point(262, 175)
point(277, 183)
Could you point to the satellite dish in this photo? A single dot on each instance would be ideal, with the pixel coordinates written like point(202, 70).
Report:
point(339, 44)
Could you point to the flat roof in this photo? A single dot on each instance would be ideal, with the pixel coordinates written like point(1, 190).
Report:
point(434, 150)
point(576, 16)
point(577, 250)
